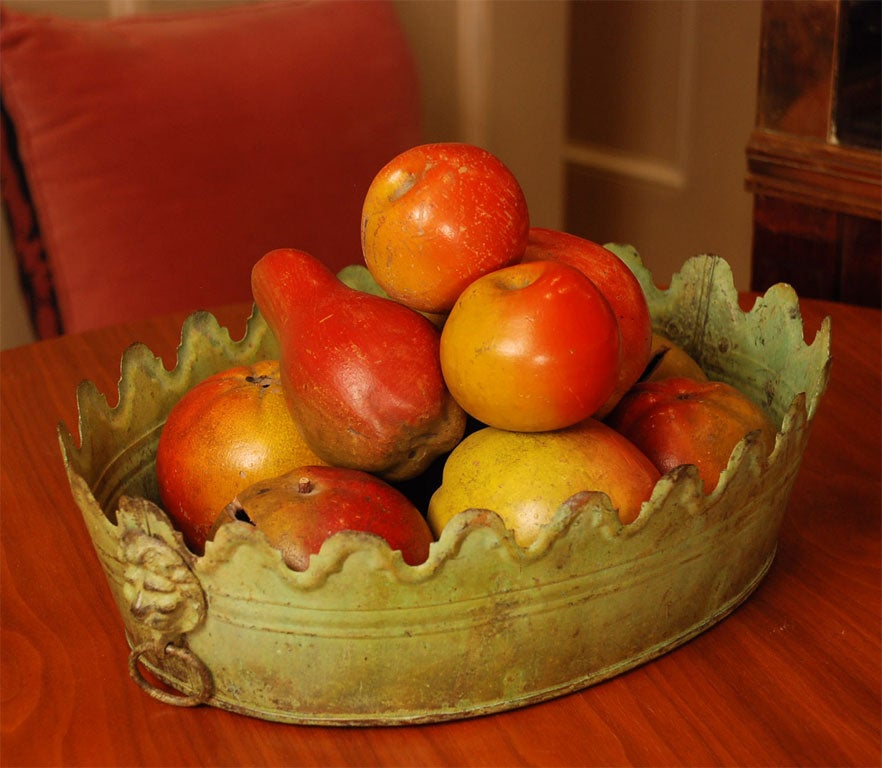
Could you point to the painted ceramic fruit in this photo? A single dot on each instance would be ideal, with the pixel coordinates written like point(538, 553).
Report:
point(531, 348)
point(620, 288)
point(229, 431)
point(362, 372)
point(526, 476)
point(679, 421)
point(436, 217)
point(298, 511)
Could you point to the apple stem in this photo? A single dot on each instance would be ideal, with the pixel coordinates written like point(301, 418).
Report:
point(304, 485)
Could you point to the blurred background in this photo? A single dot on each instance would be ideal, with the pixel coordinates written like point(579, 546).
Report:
point(624, 121)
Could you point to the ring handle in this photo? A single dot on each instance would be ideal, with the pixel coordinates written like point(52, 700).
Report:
point(193, 662)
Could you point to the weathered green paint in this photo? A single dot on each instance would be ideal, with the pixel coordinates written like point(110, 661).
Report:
point(363, 638)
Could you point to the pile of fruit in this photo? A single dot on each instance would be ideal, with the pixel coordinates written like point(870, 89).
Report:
point(471, 362)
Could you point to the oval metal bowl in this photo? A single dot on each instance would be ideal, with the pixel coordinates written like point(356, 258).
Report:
point(363, 638)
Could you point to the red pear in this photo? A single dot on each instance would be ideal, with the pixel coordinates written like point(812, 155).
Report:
point(362, 373)
point(299, 510)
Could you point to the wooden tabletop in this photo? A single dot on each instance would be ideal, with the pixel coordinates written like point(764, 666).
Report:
point(791, 678)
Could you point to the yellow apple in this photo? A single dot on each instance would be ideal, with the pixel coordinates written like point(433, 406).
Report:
point(525, 476)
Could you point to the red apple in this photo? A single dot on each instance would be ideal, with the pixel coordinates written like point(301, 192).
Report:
point(531, 347)
point(299, 510)
point(678, 421)
point(438, 216)
point(621, 289)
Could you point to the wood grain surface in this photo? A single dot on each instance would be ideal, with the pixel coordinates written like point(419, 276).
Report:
point(792, 677)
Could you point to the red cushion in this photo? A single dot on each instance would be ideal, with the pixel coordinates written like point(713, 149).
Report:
point(165, 154)
point(36, 279)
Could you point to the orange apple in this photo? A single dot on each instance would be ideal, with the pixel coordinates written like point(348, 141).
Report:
point(227, 432)
point(531, 348)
